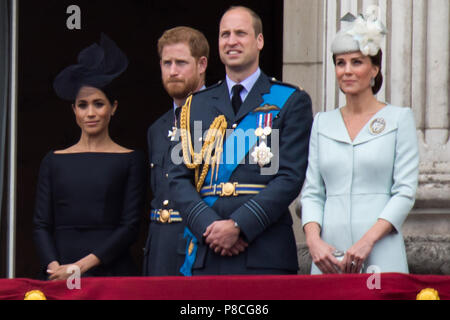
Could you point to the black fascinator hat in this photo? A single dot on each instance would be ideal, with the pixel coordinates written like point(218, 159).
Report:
point(97, 66)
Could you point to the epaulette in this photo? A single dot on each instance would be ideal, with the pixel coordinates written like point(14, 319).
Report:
point(208, 88)
point(274, 80)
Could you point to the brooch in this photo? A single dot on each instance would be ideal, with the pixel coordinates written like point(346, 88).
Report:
point(377, 126)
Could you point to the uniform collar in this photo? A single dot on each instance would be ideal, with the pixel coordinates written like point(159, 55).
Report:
point(248, 84)
point(175, 105)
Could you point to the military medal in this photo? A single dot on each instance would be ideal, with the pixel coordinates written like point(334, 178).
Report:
point(264, 125)
point(267, 125)
point(172, 133)
point(262, 154)
point(377, 126)
point(259, 132)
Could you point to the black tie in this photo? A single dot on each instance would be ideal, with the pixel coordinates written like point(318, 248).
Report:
point(177, 114)
point(236, 100)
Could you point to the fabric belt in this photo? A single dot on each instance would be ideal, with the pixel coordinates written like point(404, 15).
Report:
point(231, 189)
point(165, 216)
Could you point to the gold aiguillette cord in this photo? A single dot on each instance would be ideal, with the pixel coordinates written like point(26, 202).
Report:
point(213, 141)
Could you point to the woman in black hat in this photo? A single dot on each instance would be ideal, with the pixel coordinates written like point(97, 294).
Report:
point(90, 195)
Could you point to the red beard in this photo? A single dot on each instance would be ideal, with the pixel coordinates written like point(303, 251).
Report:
point(179, 89)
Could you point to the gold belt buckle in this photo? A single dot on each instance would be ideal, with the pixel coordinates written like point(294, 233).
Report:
point(164, 216)
point(228, 189)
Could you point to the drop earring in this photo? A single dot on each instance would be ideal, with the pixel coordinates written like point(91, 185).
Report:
point(372, 82)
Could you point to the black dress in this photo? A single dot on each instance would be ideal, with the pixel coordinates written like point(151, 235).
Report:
point(90, 203)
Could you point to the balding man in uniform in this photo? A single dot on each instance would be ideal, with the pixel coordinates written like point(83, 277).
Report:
point(234, 193)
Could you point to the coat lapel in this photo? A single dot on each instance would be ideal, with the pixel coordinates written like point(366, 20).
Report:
point(222, 102)
point(366, 134)
point(332, 126)
point(254, 97)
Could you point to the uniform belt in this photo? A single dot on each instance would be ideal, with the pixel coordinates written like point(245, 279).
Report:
point(165, 216)
point(231, 189)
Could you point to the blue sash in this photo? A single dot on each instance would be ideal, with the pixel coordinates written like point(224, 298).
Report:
point(277, 96)
point(186, 268)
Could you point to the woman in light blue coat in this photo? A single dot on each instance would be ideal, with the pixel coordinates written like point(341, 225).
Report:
point(363, 165)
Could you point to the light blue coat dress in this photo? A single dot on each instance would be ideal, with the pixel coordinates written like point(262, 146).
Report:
point(351, 184)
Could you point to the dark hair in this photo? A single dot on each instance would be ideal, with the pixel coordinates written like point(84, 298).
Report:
point(110, 91)
point(377, 60)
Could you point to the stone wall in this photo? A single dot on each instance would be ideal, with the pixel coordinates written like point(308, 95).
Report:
point(416, 74)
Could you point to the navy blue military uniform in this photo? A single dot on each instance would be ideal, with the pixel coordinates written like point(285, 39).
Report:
point(264, 218)
point(165, 247)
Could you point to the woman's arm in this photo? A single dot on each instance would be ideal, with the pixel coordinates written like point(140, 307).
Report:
point(43, 218)
point(358, 253)
point(406, 172)
point(63, 272)
point(313, 201)
point(321, 252)
point(127, 229)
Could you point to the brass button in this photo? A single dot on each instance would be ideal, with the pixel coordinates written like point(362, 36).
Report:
point(167, 175)
point(228, 189)
point(234, 126)
point(166, 203)
point(152, 165)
